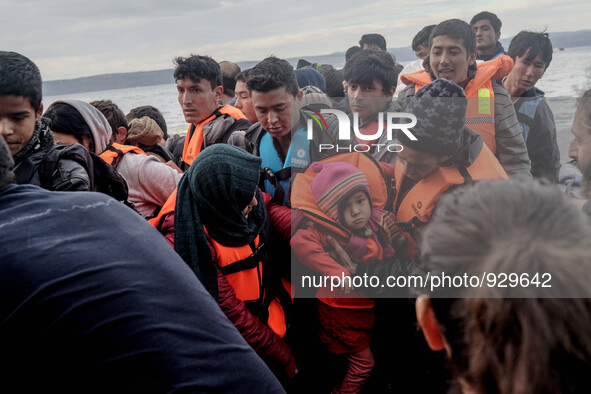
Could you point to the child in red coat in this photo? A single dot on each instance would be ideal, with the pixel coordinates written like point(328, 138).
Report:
point(346, 316)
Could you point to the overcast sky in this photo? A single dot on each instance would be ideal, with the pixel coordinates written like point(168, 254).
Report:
point(70, 39)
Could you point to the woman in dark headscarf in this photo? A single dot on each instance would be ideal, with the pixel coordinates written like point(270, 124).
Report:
point(220, 228)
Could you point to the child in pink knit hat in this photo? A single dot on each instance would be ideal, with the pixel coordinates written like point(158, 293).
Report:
point(346, 317)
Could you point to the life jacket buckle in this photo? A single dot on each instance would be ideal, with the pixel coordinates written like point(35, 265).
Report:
point(270, 176)
point(259, 254)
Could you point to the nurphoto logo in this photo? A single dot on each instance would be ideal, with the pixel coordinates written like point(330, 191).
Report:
point(391, 122)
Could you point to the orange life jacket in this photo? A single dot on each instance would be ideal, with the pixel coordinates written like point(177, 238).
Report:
point(303, 200)
point(191, 149)
point(243, 268)
point(166, 209)
point(418, 203)
point(114, 152)
point(194, 140)
point(301, 194)
point(480, 114)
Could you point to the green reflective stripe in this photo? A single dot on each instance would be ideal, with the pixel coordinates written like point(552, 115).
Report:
point(483, 101)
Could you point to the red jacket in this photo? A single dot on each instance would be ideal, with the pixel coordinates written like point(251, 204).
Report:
point(309, 245)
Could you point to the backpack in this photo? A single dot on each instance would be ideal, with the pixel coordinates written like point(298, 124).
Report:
point(103, 177)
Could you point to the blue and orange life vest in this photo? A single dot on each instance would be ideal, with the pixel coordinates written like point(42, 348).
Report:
point(277, 174)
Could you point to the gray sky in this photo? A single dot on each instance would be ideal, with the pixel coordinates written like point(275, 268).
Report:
point(70, 39)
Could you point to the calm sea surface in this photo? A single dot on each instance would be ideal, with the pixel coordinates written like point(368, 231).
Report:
point(568, 74)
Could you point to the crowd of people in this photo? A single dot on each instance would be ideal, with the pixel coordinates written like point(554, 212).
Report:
point(137, 261)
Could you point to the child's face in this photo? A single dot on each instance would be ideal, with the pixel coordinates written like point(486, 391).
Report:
point(253, 203)
point(357, 211)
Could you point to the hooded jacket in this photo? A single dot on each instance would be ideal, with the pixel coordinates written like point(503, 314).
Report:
point(67, 175)
point(150, 182)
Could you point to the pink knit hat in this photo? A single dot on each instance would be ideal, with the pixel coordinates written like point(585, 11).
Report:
point(334, 185)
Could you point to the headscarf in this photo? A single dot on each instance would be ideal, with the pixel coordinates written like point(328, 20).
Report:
point(99, 126)
point(213, 193)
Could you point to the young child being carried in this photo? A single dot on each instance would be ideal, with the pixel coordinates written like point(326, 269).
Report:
point(339, 201)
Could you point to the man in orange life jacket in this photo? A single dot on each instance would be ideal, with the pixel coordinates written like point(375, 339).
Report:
point(442, 155)
point(438, 154)
point(199, 84)
point(452, 55)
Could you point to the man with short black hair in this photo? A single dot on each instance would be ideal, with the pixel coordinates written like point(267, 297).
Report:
point(452, 55)
point(370, 82)
point(28, 135)
point(199, 84)
point(487, 27)
point(243, 100)
point(373, 41)
point(532, 54)
point(280, 136)
point(420, 42)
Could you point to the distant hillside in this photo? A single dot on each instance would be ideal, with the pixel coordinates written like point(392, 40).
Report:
point(337, 59)
point(567, 39)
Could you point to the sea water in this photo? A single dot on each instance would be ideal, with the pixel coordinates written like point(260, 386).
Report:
point(568, 75)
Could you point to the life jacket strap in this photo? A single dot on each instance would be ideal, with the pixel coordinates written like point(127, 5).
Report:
point(275, 178)
point(252, 261)
point(408, 227)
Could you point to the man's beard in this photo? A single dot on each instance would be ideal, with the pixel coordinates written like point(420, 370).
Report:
point(586, 181)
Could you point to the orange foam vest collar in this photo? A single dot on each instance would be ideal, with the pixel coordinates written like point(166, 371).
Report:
point(420, 201)
point(195, 138)
point(114, 152)
point(480, 115)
